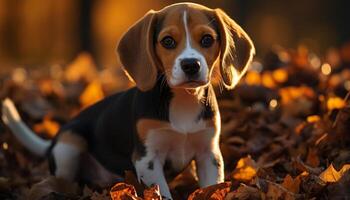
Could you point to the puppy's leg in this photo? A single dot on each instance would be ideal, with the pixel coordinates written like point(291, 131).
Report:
point(149, 170)
point(210, 167)
point(66, 153)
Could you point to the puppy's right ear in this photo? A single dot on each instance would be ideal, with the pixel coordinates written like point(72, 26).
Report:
point(137, 52)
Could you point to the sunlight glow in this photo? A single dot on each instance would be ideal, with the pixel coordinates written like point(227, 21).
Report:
point(5, 146)
point(326, 69)
point(273, 104)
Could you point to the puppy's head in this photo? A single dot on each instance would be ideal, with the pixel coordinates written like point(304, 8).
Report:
point(185, 42)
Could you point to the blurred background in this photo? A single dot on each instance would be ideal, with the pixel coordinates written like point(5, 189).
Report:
point(42, 33)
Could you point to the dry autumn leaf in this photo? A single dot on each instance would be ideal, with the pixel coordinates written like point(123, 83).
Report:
point(92, 93)
point(122, 191)
point(152, 193)
point(47, 126)
point(291, 184)
point(214, 192)
point(82, 68)
point(244, 192)
point(246, 169)
point(312, 158)
point(331, 175)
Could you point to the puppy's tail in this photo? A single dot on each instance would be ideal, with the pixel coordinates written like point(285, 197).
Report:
point(27, 137)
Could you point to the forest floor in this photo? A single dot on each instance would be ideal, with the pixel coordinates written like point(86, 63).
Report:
point(285, 129)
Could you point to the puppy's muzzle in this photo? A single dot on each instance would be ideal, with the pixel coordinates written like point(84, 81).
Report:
point(191, 67)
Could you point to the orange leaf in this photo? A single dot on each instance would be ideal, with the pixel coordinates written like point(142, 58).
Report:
point(92, 93)
point(122, 191)
point(82, 68)
point(245, 170)
point(47, 126)
point(152, 193)
point(331, 175)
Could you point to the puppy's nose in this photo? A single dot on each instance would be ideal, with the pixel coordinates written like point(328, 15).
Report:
point(190, 66)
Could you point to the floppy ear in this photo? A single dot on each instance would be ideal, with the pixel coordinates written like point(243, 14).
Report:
point(136, 52)
point(237, 49)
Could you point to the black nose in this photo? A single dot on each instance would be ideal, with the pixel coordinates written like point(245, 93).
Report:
point(190, 66)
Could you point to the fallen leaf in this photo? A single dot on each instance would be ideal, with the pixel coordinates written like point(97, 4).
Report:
point(246, 169)
point(53, 186)
point(312, 158)
point(291, 184)
point(152, 193)
point(275, 191)
point(82, 68)
point(122, 191)
point(331, 175)
point(244, 192)
point(47, 126)
point(92, 94)
point(214, 192)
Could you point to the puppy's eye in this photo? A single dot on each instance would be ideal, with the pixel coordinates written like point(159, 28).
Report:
point(168, 42)
point(207, 40)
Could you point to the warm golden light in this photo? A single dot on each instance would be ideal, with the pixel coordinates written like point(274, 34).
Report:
point(326, 69)
point(253, 78)
point(280, 75)
point(5, 146)
point(273, 104)
point(335, 103)
point(313, 118)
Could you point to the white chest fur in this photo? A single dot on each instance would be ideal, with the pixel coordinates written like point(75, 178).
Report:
point(184, 113)
point(179, 148)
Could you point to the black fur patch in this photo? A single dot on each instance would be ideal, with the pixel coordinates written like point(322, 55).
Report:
point(207, 112)
point(216, 162)
point(150, 165)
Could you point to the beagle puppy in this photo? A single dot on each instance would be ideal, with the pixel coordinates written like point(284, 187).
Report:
point(169, 119)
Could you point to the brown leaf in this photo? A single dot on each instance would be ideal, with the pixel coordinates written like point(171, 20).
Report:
point(214, 192)
point(275, 191)
point(244, 192)
point(312, 158)
point(291, 184)
point(53, 186)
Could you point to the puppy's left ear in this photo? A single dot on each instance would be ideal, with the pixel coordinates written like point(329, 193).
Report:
point(237, 49)
point(136, 52)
